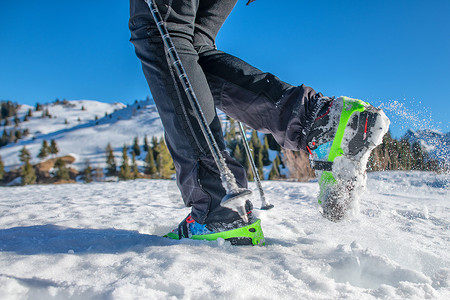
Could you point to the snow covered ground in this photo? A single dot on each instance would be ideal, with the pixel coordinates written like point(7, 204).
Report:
point(102, 241)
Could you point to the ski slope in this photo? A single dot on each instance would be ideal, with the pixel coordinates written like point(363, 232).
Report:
point(102, 241)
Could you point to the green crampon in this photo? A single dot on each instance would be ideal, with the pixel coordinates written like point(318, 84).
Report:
point(248, 235)
point(349, 107)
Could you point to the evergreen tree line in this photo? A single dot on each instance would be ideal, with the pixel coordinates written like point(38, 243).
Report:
point(395, 154)
point(12, 136)
point(152, 159)
point(259, 150)
point(158, 163)
point(47, 149)
point(8, 109)
point(8, 116)
point(28, 172)
point(392, 154)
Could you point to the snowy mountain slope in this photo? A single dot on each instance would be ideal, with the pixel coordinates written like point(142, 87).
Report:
point(435, 143)
point(86, 139)
point(101, 241)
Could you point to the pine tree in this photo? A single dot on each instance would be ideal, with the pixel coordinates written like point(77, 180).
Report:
point(111, 166)
point(43, 153)
point(418, 156)
point(275, 171)
point(155, 147)
point(8, 109)
point(2, 169)
point(265, 152)
point(156, 150)
point(248, 167)
point(249, 171)
point(259, 165)
point(373, 163)
point(125, 170)
point(230, 132)
point(38, 106)
point(87, 172)
point(136, 148)
point(62, 173)
point(27, 171)
point(46, 114)
point(16, 121)
point(17, 135)
point(395, 155)
point(385, 150)
point(24, 155)
point(232, 128)
point(53, 148)
point(4, 139)
point(11, 136)
point(134, 166)
point(164, 161)
point(150, 167)
point(237, 154)
point(405, 158)
point(255, 139)
point(146, 146)
point(28, 174)
point(257, 153)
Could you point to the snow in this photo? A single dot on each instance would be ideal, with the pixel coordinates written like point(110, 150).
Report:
point(102, 241)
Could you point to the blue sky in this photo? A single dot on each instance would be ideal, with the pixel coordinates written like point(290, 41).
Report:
point(390, 53)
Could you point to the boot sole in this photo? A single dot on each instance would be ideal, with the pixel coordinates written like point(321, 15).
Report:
point(340, 186)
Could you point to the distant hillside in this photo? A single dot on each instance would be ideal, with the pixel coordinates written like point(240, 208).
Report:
point(81, 128)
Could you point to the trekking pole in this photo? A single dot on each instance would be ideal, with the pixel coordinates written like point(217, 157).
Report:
point(235, 197)
point(265, 205)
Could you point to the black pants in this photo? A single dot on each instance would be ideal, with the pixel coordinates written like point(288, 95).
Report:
point(258, 99)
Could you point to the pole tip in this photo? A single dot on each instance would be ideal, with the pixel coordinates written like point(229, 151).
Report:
point(267, 207)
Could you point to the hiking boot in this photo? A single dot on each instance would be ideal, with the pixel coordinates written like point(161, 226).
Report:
point(340, 140)
point(222, 223)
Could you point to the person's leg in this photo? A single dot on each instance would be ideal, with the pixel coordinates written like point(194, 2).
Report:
point(333, 131)
point(245, 93)
point(197, 175)
point(261, 100)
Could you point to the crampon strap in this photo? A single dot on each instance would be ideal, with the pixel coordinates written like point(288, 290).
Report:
point(321, 165)
point(183, 228)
